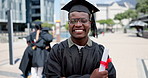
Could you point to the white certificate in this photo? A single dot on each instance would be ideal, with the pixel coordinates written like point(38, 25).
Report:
point(104, 59)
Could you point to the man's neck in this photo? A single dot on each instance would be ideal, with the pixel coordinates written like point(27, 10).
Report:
point(80, 42)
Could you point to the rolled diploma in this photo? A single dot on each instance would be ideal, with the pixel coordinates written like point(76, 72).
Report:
point(104, 58)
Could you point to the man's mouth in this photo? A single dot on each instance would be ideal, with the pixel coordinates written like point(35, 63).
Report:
point(78, 31)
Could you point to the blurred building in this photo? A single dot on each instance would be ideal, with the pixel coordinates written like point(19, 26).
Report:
point(108, 11)
point(42, 10)
point(63, 16)
point(131, 3)
point(25, 11)
point(143, 18)
point(18, 14)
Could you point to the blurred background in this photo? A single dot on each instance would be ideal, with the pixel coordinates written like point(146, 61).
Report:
point(128, 15)
point(122, 26)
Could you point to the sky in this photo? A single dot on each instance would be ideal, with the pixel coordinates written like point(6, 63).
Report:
point(58, 8)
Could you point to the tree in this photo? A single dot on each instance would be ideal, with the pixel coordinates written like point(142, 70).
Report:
point(120, 17)
point(47, 25)
point(110, 22)
point(101, 21)
point(66, 26)
point(126, 15)
point(130, 14)
point(142, 6)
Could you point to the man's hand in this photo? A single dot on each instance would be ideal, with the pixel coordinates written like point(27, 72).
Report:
point(97, 74)
point(47, 47)
point(34, 47)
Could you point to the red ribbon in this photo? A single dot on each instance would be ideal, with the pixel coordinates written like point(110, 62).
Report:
point(33, 42)
point(105, 64)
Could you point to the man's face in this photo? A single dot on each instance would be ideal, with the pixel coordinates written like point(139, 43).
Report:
point(79, 24)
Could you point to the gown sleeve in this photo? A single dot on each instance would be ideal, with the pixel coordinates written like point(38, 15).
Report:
point(111, 69)
point(53, 67)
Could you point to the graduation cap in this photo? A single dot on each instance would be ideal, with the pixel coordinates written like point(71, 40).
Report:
point(83, 6)
point(37, 24)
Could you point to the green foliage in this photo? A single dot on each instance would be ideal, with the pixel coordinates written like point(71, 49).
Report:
point(66, 26)
point(130, 14)
point(101, 21)
point(119, 16)
point(126, 15)
point(47, 25)
point(37, 20)
point(109, 22)
point(142, 6)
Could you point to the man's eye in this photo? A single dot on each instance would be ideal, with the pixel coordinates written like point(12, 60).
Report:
point(72, 21)
point(84, 20)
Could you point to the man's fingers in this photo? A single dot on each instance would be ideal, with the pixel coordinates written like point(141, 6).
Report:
point(104, 72)
point(106, 76)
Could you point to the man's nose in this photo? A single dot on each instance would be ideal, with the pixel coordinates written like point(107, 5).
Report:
point(78, 24)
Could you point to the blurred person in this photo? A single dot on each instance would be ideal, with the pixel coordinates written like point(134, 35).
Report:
point(31, 39)
point(36, 53)
point(139, 31)
point(26, 62)
point(78, 56)
point(41, 49)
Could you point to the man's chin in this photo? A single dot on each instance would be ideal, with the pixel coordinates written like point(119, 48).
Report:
point(79, 37)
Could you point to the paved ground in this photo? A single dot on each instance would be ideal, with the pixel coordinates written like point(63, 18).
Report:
point(128, 52)
point(125, 50)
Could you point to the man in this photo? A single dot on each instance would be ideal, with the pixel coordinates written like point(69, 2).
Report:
point(78, 56)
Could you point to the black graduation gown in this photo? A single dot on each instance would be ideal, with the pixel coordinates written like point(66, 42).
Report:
point(26, 62)
point(47, 40)
point(40, 53)
point(35, 58)
point(71, 63)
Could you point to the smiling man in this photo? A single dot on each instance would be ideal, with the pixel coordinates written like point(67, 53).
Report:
point(79, 25)
point(78, 56)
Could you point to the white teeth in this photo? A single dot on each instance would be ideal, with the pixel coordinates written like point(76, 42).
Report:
point(78, 30)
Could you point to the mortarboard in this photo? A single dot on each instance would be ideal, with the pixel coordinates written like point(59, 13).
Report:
point(37, 24)
point(83, 6)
